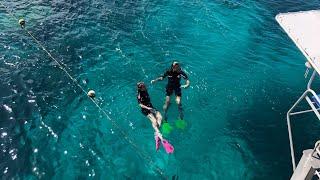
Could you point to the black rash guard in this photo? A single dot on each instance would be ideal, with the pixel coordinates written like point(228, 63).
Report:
point(143, 98)
point(174, 81)
point(174, 77)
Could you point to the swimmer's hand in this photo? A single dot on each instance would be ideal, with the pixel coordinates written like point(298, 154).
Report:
point(152, 110)
point(148, 108)
point(145, 107)
point(155, 80)
point(184, 86)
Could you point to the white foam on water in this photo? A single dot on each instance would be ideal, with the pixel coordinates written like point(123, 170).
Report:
point(5, 170)
point(31, 101)
point(13, 153)
point(4, 134)
point(9, 109)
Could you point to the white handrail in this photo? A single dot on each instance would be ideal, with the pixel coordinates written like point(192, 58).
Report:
point(309, 90)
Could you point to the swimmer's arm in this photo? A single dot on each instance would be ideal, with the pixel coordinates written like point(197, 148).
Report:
point(187, 84)
point(145, 107)
point(185, 76)
point(160, 78)
point(157, 79)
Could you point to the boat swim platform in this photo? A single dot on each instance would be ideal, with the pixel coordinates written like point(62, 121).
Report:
point(304, 29)
point(308, 165)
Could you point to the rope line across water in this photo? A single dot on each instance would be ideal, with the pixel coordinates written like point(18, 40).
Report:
point(124, 135)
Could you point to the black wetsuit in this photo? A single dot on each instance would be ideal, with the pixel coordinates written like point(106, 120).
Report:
point(143, 98)
point(174, 81)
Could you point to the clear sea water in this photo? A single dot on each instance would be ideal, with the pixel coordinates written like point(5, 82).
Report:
point(244, 71)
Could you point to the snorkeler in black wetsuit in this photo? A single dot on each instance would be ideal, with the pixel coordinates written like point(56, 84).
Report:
point(144, 101)
point(148, 110)
point(174, 75)
point(154, 116)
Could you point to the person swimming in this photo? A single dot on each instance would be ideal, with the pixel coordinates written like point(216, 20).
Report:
point(154, 116)
point(174, 74)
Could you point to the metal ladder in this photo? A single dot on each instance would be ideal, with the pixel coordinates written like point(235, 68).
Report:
point(290, 113)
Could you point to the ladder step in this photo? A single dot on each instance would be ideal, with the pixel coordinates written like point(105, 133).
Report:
point(314, 100)
point(312, 105)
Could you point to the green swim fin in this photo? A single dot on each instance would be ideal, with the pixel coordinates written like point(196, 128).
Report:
point(181, 124)
point(166, 128)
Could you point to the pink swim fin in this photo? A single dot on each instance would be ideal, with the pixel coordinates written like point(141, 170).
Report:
point(167, 146)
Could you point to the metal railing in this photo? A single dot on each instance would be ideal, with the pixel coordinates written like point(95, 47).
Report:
point(309, 91)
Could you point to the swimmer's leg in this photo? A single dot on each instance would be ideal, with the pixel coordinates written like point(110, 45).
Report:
point(157, 135)
point(180, 109)
point(153, 120)
point(165, 107)
point(159, 118)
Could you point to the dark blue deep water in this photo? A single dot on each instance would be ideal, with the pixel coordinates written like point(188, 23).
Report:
point(244, 71)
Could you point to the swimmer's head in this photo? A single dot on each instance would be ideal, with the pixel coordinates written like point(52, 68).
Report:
point(175, 66)
point(141, 86)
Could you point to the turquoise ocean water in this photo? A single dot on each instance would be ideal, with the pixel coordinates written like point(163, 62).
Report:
point(244, 72)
